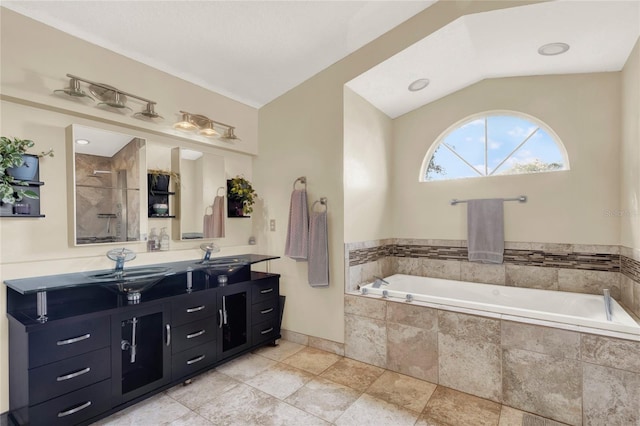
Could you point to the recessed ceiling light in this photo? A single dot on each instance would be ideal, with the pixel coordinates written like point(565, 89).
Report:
point(552, 49)
point(419, 84)
point(82, 142)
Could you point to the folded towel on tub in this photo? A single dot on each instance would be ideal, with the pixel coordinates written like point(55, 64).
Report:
point(213, 224)
point(297, 244)
point(318, 249)
point(485, 229)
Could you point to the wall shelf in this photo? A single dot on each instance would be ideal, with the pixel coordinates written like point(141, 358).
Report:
point(7, 210)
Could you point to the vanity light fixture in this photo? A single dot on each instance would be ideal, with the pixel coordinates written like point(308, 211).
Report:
point(205, 126)
point(74, 90)
point(419, 84)
point(186, 123)
point(552, 49)
point(109, 96)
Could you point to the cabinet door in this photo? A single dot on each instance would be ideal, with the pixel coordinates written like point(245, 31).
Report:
point(141, 345)
point(233, 319)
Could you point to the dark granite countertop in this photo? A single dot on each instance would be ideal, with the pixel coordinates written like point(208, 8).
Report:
point(216, 266)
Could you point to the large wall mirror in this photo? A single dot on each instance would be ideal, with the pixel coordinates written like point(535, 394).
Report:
point(108, 169)
point(201, 194)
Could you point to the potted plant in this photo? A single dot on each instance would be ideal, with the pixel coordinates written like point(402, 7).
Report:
point(17, 167)
point(159, 179)
point(241, 197)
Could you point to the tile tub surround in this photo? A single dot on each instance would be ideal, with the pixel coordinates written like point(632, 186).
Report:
point(548, 266)
point(569, 376)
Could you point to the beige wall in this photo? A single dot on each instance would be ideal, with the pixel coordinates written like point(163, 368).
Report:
point(630, 152)
point(368, 155)
point(36, 59)
point(563, 207)
point(301, 134)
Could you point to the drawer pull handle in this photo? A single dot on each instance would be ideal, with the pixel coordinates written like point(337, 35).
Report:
point(268, 330)
point(196, 309)
point(196, 334)
point(74, 410)
point(266, 311)
point(73, 340)
point(168, 327)
point(194, 360)
point(265, 291)
point(72, 375)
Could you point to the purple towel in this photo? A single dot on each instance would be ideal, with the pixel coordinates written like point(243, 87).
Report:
point(214, 222)
point(485, 230)
point(318, 250)
point(297, 244)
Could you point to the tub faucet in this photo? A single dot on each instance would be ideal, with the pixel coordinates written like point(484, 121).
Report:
point(379, 281)
point(607, 304)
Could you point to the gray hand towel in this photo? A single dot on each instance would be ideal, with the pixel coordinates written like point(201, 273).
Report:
point(213, 224)
point(318, 250)
point(297, 244)
point(485, 229)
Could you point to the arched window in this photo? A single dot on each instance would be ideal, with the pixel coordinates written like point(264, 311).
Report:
point(491, 144)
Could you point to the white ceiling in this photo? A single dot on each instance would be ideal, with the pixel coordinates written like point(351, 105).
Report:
point(101, 142)
point(250, 51)
point(504, 43)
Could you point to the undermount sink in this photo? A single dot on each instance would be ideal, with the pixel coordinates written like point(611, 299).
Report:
point(132, 282)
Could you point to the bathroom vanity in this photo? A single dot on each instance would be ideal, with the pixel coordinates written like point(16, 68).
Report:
point(80, 349)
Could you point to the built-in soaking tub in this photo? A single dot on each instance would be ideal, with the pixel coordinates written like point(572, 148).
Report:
point(566, 309)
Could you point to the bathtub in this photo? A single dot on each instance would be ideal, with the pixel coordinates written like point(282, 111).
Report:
point(572, 311)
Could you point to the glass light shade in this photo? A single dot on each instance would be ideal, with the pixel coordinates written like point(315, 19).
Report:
point(209, 131)
point(185, 124)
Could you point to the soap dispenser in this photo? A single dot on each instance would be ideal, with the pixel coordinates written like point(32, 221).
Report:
point(153, 243)
point(164, 239)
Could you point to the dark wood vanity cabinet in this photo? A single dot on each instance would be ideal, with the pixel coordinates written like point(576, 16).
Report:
point(79, 369)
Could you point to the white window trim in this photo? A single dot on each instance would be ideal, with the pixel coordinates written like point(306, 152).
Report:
point(482, 115)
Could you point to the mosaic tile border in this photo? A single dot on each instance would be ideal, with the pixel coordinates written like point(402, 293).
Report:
point(567, 260)
point(630, 267)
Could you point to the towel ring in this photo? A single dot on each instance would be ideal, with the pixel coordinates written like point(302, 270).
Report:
point(322, 201)
point(218, 191)
point(302, 180)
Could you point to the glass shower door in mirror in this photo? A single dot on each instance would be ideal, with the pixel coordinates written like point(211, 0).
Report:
point(107, 169)
point(201, 194)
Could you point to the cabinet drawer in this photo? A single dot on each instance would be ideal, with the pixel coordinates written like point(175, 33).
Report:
point(193, 307)
point(192, 360)
point(60, 342)
point(264, 290)
point(265, 311)
point(74, 407)
point(193, 334)
point(55, 379)
point(264, 332)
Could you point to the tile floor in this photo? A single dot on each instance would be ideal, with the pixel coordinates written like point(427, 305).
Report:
point(292, 384)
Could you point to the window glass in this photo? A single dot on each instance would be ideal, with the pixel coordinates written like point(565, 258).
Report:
point(494, 144)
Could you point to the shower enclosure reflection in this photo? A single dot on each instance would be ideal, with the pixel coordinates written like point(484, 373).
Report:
point(107, 196)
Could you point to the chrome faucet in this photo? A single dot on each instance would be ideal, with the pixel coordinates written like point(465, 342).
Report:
point(120, 256)
point(208, 248)
point(608, 310)
point(378, 282)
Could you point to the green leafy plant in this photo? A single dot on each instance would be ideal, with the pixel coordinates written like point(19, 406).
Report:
point(11, 155)
point(241, 190)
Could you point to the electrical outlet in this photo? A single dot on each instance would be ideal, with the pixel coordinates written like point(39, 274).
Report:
point(272, 225)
